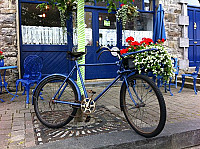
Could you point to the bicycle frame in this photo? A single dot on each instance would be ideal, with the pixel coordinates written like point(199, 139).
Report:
point(77, 67)
point(122, 73)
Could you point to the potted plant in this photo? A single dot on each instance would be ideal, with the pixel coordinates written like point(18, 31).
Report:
point(1, 59)
point(158, 62)
point(126, 13)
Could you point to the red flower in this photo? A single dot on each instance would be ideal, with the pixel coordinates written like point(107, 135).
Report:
point(129, 39)
point(146, 41)
point(135, 43)
point(123, 51)
point(1, 52)
point(163, 40)
point(122, 5)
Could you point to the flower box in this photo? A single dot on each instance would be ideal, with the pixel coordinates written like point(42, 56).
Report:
point(158, 62)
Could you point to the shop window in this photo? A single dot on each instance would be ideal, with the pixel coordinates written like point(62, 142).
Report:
point(139, 28)
point(102, 3)
point(88, 29)
point(146, 5)
point(107, 29)
point(41, 27)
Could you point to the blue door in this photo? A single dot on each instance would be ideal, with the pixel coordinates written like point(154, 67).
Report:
point(194, 36)
point(101, 30)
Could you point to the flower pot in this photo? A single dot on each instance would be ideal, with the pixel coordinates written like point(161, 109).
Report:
point(1, 63)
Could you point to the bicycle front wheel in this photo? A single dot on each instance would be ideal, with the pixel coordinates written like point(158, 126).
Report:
point(146, 110)
point(55, 115)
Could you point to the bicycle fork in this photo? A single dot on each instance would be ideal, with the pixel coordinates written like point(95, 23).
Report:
point(130, 94)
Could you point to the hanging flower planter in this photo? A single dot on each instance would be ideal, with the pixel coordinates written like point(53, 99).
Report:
point(158, 62)
point(126, 13)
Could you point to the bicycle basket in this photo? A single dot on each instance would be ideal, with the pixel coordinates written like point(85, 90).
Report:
point(129, 64)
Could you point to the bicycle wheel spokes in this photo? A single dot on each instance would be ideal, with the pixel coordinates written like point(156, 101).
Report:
point(54, 114)
point(145, 116)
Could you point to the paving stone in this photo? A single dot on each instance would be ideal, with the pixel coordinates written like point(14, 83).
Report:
point(5, 125)
point(29, 125)
point(17, 138)
point(18, 123)
point(30, 143)
point(21, 115)
point(17, 133)
point(5, 131)
point(20, 127)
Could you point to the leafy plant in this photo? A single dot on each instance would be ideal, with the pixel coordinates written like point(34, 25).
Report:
point(67, 6)
point(126, 13)
point(159, 62)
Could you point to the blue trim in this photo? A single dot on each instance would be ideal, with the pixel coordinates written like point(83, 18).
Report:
point(42, 48)
point(193, 6)
point(98, 64)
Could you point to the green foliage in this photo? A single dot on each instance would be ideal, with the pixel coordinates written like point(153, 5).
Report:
point(67, 6)
point(126, 13)
point(159, 62)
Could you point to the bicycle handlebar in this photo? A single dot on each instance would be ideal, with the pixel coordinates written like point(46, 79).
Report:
point(123, 55)
point(102, 48)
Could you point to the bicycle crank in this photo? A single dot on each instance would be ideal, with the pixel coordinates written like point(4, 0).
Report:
point(88, 106)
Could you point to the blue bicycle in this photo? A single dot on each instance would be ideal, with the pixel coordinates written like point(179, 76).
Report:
point(57, 97)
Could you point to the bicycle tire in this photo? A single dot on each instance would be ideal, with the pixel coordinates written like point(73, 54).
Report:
point(149, 116)
point(54, 115)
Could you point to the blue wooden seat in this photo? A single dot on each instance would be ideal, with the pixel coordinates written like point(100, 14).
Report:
point(176, 72)
point(32, 66)
point(194, 75)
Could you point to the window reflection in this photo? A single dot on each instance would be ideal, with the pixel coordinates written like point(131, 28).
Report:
point(41, 27)
point(102, 3)
point(88, 29)
point(107, 29)
point(141, 27)
point(148, 5)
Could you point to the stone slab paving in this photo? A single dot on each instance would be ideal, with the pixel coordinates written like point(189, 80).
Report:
point(16, 128)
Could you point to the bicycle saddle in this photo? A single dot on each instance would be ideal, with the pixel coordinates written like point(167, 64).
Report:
point(75, 54)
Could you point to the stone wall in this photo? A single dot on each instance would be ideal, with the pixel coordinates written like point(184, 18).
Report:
point(173, 31)
point(8, 38)
point(176, 24)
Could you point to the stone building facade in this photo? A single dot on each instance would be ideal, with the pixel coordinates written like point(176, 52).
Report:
point(8, 38)
point(176, 22)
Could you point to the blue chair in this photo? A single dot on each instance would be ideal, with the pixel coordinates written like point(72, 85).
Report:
point(176, 67)
point(32, 66)
point(194, 75)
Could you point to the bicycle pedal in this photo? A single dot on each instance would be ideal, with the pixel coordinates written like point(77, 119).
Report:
point(88, 118)
point(91, 91)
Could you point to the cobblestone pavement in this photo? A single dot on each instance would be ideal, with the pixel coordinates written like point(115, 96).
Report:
point(16, 127)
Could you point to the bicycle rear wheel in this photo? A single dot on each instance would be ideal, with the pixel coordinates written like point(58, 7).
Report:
point(55, 115)
point(148, 116)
